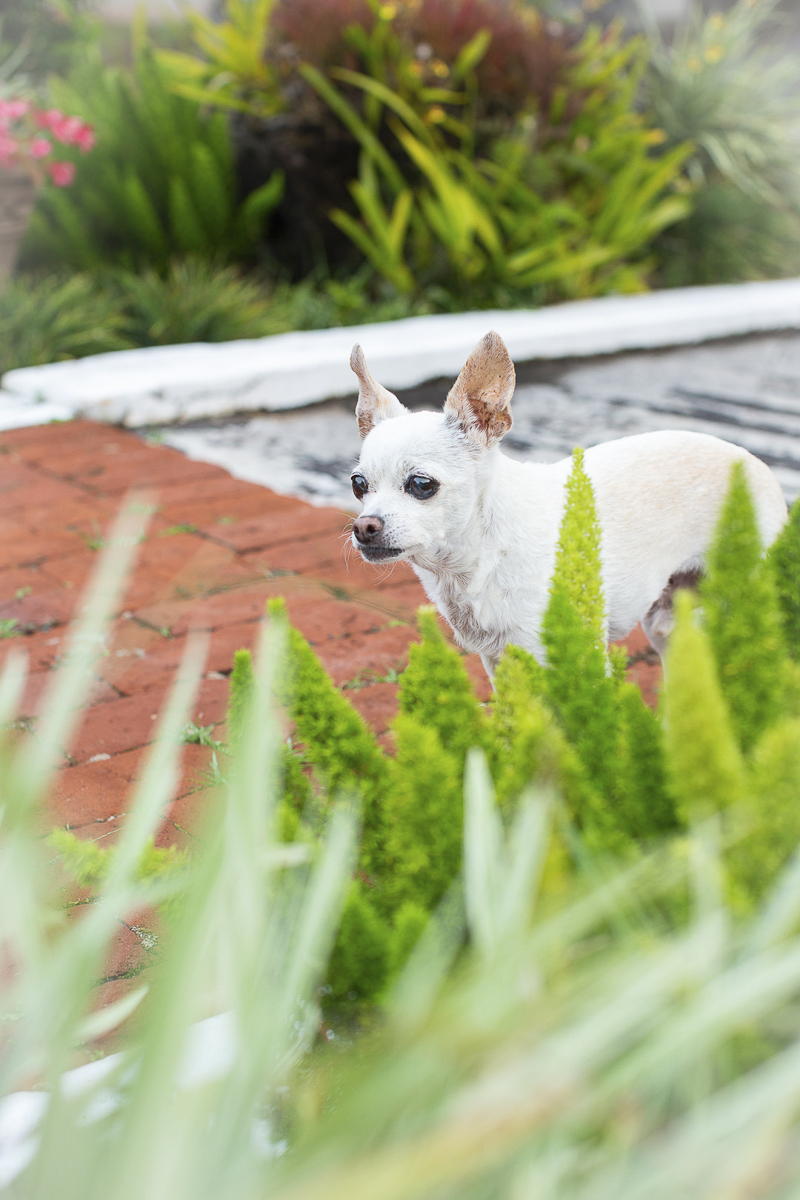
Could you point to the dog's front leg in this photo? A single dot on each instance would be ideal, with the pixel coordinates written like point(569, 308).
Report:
point(490, 662)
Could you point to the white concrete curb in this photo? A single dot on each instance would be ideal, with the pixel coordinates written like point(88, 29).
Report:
point(178, 383)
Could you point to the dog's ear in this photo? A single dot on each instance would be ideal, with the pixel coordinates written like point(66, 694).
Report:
point(480, 398)
point(375, 403)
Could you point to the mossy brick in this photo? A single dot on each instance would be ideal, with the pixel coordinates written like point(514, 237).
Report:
point(46, 492)
point(42, 648)
point(91, 792)
point(181, 565)
point(27, 579)
point(43, 608)
point(366, 655)
point(196, 761)
point(37, 684)
point(377, 704)
point(131, 669)
point(70, 509)
point(131, 721)
point(27, 548)
point(211, 702)
point(115, 475)
point(303, 556)
point(16, 479)
point(36, 441)
point(321, 618)
point(218, 497)
point(279, 525)
point(122, 724)
point(401, 591)
point(134, 946)
point(227, 607)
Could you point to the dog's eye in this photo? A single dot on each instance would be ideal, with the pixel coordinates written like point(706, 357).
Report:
point(421, 487)
point(360, 486)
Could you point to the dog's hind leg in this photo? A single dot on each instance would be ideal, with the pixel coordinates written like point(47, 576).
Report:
point(659, 621)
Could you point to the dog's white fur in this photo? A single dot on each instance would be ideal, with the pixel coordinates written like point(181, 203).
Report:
point(484, 545)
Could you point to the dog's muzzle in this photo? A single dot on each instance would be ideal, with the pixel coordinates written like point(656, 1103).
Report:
point(368, 532)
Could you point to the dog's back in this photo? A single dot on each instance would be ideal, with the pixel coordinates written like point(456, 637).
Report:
point(659, 497)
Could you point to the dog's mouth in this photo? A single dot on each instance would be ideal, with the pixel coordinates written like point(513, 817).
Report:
point(376, 554)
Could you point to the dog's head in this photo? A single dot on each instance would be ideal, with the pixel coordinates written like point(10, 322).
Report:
point(421, 475)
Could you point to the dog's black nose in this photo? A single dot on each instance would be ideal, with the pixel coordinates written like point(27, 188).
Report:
point(367, 529)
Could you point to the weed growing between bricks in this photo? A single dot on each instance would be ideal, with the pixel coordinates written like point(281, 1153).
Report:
point(575, 933)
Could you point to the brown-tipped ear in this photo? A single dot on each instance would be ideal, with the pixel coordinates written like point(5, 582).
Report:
point(480, 398)
point(375, 403)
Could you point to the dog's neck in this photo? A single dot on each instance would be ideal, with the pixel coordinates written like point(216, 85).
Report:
point(473, 578)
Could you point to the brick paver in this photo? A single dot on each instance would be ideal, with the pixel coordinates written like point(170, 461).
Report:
point(215, 551)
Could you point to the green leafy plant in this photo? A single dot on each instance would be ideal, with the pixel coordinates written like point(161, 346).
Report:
point(571, 211)
point(160, 180)
point(52, 318)
point(724, 86)
point(192, 300)
point(234, 71)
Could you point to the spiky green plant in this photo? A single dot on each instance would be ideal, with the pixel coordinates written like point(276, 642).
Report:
point(190, 300)
point(643, 802)
point(784, 559)
point(767, 829)
point(241, 693)
point(436, 689)
point(359, 962)
point(424, 815)
point(704, 760)
point(526, 741)
point(579, 685)
point(338, 743)
point(742, 618)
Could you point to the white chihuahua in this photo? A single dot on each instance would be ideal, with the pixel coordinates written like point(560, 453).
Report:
point(481, 529)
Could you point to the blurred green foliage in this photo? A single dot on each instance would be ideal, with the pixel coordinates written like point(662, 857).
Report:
point(567, 1021)
point(727, 83)
point(504, 158)
point(742, 617)
point(50, 317)
point(564, 203)
point(159, 182)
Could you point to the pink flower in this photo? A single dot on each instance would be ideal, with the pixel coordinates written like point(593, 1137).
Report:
point(61, 173)
point(39, 147)
point(85, 139)
point(67, 130)
point(46, 120)
point(12, 110)
point(8, 148)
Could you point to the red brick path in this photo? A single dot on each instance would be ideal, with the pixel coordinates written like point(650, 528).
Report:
point(214, 553)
